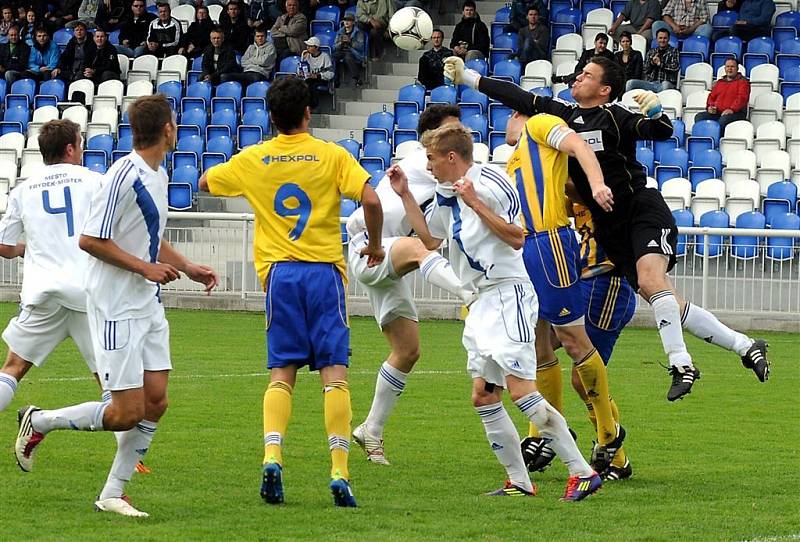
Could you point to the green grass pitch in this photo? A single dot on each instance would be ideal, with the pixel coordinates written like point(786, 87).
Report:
point(718, 465)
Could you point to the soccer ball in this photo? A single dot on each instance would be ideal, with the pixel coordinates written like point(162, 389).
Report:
point(410, 28)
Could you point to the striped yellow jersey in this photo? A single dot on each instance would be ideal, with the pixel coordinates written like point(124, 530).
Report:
point(594, 260)
point(294, 184)
point(539, 169)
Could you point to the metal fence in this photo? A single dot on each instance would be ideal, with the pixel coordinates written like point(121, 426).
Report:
point(708, 272)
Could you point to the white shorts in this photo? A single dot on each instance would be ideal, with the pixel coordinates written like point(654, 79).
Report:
point(499, 333)
point(390, 296)
point(36, 331)
point(127, 348)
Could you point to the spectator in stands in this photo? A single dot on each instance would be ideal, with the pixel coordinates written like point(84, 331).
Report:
point(86, 14)
point(755, 18)
point(660, 67)
point(110, 14)
point(28, 30)
point(198, 35)
point(348, 50)
point(165, 31)
point(234, 25)
point(44, 56)
point(729, 5)
point(518, 19)
point(431, 64)
point(258, 61)
point(373, 19)
point(219, 59)
point(64, 12)
point(14, 56)
point(533, 41)
point(262, 14)
point(628, 57)
point(289, 31)
point(320, 69)
point(729, 97)
point(682, 18)
point(73, 60)
point(470, 36)
point(133, 34)
point(6, 23)
point(103, 65)
point(341, 4)
point(600, 49)
point(640, 14)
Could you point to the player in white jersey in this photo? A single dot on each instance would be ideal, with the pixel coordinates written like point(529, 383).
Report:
point(477, 209)
point(387, 288)
point(130, 261)
point(49, 208)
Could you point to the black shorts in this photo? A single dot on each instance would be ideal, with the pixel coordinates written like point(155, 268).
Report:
point(647, 228)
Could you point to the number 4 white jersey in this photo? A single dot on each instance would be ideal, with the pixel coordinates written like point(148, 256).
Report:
point(422, 186)
point(50, 208)
point(479, 257)
point(130, 209)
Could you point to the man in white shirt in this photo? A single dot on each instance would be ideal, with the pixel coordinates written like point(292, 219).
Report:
point(50, 208)
point(124, 234)
point(477, 209)
point(387, 288)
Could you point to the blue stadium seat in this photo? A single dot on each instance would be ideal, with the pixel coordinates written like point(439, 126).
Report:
point(289, 66)
point(318, 26)
point(352, 146)
point(712, 219)
point(102, 142)
point(508, 69)
point(2, 89)
point(185, 158)
point(113, 37)
point(679, 131)
point(498, 55)
point(407, 122)
point(645, 157)
point(479, 65)
point(221, 144)
point(41, 100)
point(217, 130)
point(192, 143)
point(197, 63)
point(62, 36)
point(786, 27)
point(707, 164)
point(53, 87)
point(371, 135)
point(498, 116)
point(247, 135)
point(405, 108)
point(503, 15)
point(187, 174)
point(19, 116)
point(189, 129)
point(496, 139)
point(725, 48)
point(9, 127)
point(257, 118)
point(172, 89)
point(347, 207)
point(444, 94)
point(200, 89)
point(412, 93)
point(124, 144)
point(211, 159)
point(589, 5)
point(781, 198)
point(96, 160)
point(564, 21)
point(328, 13)
point(196, 117)
point(401, 135)
point(467, 109)
point(373, 163)
point(472, 95)
point(789, 54)
point(225, 117)
point(558, 5)
point(381, 119)
point(782, 248)
point(660, 147)
point(26, 87)
point(674, 163)
point(250, 103)
point(179, 196)
point(759, 51)
point(617, 7)
point(506, 41)
point(479, 124)
point(683, 217)
point(375, 177)
point(695, 49)
point(378, 149)
point(791, 82)
point(705, 135)
point(17, 100)
point(745, 247)
point(542, 91)
point(724, 20)
point(229, 89)
point(257, 90)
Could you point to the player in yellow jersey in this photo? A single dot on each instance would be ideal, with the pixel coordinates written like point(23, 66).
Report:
point(295, 183)
point(539, 168)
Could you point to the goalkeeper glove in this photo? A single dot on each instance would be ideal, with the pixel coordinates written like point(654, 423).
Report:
point(455, 74)
point(649, 104)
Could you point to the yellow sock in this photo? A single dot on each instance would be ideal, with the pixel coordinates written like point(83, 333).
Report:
point(592, 373)
point(338, 415)
point(621, 457)
point(277, 409)
point(548, 380)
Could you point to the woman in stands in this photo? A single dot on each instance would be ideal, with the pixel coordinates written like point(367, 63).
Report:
point(628, 57)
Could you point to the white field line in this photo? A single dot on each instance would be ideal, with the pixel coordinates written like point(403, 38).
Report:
point(779, 538)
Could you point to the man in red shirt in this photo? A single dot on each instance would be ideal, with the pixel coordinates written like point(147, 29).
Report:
point(728, 99)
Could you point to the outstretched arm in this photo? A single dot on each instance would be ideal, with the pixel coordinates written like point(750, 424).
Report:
point(198, 273)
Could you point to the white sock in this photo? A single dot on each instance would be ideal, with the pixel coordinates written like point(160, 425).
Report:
point(437, 270)
point(504, 439)
point(552, 426)
point(8, 387)
point(389, 385)
point(82, 417)
point(704, 325)
point(131, 447)
point(668, 319)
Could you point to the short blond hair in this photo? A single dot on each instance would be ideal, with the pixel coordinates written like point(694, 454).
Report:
point(452, 136)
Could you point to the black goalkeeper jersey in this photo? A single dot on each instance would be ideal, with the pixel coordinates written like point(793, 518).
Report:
point(612, 130)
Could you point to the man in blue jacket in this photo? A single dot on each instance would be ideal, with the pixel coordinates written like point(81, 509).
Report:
point(44, 56)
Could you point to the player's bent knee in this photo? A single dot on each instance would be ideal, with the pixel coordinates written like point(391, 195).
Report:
point(155, 409)
point(122, 420)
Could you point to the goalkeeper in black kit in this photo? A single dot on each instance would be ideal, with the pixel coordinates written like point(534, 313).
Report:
point(639, 235)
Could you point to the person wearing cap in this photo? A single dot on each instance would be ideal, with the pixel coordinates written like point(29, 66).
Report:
point(320, 69)
point(348, 49)
point(257, 62)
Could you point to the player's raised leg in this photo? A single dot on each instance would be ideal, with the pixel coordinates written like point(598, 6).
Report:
point(12, 372)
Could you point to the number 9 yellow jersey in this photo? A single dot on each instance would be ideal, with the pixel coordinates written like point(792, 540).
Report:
point(294, 184)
